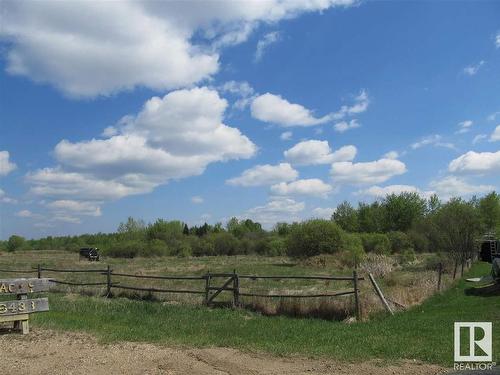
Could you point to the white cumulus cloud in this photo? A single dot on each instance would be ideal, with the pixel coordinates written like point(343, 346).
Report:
point(312, 187)
point(172, 137)
point(360, 105)
point(76, 207)
point(391, 155)
point(315, 152)
point(277, 209)
point(274, 109)
point(286, 136)
point(476, 163)
point(344, 126)
point(266, 174)
point(132, 43)
point(323, 212)
point(495, 136)
point(373, 172)
point(6, 166)
point(452, 186)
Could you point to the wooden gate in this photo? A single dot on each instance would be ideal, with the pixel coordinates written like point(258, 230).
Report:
point(231, 284)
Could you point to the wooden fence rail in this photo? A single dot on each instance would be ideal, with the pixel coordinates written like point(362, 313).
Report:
point(212, 289)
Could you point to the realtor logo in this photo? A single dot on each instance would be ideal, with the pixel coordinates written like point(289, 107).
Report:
point(479, 348)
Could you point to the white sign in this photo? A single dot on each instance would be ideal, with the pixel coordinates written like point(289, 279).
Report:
point(483, 332)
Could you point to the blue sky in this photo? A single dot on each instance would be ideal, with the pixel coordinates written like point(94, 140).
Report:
point(270, 110)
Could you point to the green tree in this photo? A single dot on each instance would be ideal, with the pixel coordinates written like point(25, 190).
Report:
point(282, 228)
point(168, 231)
point(489, 209)
point(15, 242)
point(402, 210)
point(459, 225)
point(371, 217)
point(433, 204)
point(241, 228)
point(132, 229)
point(346, 216)
point(315, 237)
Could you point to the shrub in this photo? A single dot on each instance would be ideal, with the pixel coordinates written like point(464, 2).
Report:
point(314, 237)
point(407, 256)
point(277, 246)
point(201, 246)
point(182, 249)
point(420, 241)
point(377, 243)
point(353, 252)
point(399, 241)
point(126, 249)
point(155, 248)
point(432, 262)
point(224, 243)
point(167, 231)
point(15, 242)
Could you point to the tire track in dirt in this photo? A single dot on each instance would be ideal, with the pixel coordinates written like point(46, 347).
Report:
point(50, 352)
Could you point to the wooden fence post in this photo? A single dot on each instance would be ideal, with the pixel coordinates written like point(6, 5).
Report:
point(356, 295)
point(380, 295)
point(207, 287)
point(440, 273)
point(39, 269)
point(236, 289)
point(108, 282)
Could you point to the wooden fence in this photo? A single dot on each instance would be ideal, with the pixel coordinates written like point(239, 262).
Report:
point(215, 284)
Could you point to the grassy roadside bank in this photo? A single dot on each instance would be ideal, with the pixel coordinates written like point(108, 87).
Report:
point(423, 333)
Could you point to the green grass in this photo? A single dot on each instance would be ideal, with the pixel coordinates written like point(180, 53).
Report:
point(424, 332)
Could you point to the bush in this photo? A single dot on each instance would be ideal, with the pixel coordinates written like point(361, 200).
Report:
point(15, 242)
point(168, 231)
point(353, 252)
point(277, 246)
point(399, 241)
point(407, 256)
point(377, 243)
point(420, 241)
point(201, 246)
point(224, 243)
point(314, 237)
point(155, 248)
point(432, 262)
point(125, 249)
point(181, 249)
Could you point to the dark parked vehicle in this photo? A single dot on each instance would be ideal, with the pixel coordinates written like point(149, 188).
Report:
point(90, 253)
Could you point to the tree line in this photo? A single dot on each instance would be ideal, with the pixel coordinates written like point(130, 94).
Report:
point(402, 223)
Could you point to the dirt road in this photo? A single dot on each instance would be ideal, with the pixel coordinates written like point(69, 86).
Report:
point(49, 352)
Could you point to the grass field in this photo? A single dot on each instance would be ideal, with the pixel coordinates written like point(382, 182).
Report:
point(424, 332)
point(409, 284)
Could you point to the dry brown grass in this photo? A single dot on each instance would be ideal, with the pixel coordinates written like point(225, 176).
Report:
point(339, 308)
point(408, 285)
